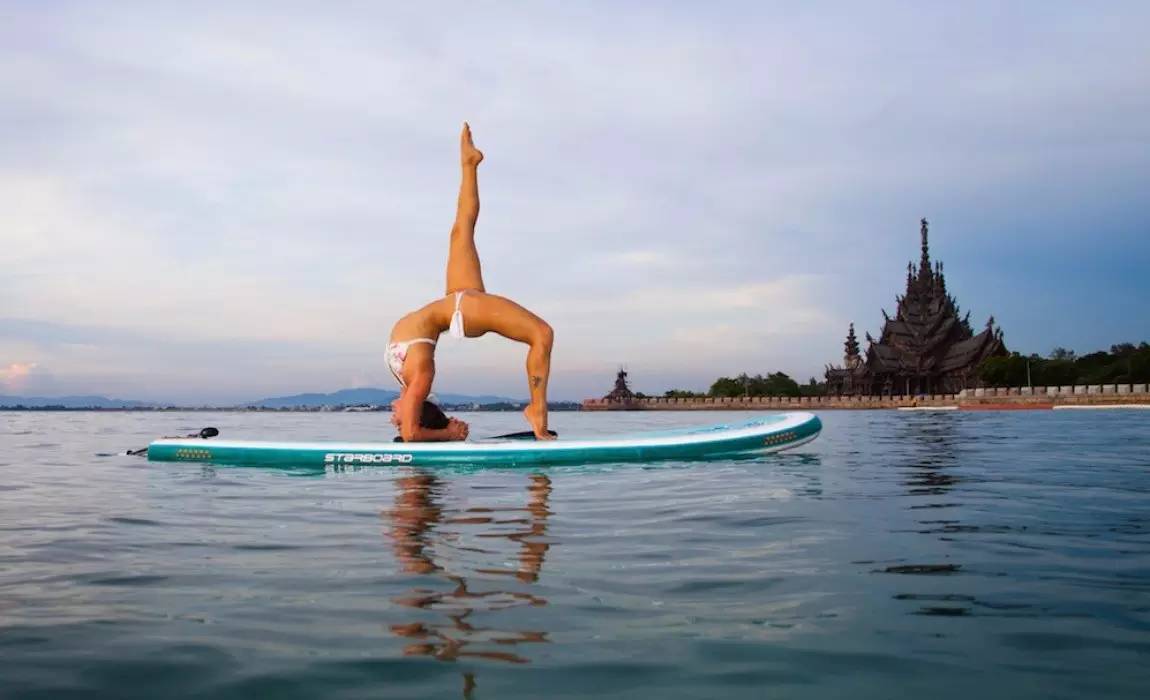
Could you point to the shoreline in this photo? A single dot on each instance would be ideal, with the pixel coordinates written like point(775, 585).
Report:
point(1108, 396)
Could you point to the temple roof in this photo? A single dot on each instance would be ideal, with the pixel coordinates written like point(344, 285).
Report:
point(926, 336)
point(969, 352)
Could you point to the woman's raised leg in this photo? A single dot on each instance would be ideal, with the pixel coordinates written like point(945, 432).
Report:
point(463, 270)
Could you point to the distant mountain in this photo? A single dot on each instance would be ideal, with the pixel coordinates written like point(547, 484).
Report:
point(368, 396)
point(343, 397)
point(70, 402)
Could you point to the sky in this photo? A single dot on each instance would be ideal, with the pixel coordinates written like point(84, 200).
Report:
point(220, 201)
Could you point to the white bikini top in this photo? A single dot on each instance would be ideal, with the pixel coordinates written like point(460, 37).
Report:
point(397, 350)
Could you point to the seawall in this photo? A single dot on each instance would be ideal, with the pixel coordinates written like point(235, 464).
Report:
point(995, 398)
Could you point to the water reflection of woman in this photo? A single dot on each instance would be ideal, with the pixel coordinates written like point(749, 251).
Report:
point(411, 520)
point(416, 522)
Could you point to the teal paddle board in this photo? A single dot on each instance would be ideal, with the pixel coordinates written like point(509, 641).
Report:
point(768, 433)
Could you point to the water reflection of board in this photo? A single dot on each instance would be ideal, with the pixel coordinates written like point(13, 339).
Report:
point(768, 433)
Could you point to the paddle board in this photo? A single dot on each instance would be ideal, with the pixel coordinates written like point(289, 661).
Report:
point(768, 433)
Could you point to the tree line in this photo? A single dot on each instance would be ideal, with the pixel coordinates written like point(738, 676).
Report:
point(1126, 363)
point(773, 384)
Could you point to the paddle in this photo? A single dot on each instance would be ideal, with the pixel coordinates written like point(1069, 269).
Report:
point(203, 434)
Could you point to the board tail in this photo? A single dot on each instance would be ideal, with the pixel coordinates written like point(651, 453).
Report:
point(203, 434)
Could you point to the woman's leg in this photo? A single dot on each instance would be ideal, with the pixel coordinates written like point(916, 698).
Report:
point(538, 372)
point(488, 313)
point(463, 270)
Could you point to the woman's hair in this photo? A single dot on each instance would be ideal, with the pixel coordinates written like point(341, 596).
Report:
point(432, 417)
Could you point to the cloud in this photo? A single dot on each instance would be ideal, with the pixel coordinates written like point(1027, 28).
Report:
point(791, 302)
point(642, 259)
point(787, 305)
point(16, 370)
point(235, 198)
point(14, 377)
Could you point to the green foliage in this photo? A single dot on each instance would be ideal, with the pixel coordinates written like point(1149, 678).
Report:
point(813, 387)
point(726, 386)
point(682, 394)
point(1125, 363)
point(1057, 373)
point(1138, 365)
point(1004, 371)
point(774, 384)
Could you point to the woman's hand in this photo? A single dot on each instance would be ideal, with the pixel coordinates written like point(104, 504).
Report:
point(457, 429)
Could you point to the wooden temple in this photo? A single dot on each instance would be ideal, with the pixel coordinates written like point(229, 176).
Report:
point(621, 397)
point(925, 348)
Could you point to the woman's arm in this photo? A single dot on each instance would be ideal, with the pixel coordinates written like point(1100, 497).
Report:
point(410, 406)
point(419, 374)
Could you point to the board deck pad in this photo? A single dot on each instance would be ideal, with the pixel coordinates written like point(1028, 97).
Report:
point(768, 433)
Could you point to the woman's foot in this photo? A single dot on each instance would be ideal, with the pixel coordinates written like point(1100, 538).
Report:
point(469, 154)
point(537, 417)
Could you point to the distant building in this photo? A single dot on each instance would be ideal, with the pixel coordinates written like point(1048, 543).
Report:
point(621, 396)
point(925, 348)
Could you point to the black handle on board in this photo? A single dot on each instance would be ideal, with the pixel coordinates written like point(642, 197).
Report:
point(203, 434)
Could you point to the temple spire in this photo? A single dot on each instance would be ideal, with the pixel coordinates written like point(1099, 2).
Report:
point(851, 345)
point(621, 393)
point(927, 346)
point(852, 359)
point(924, 265)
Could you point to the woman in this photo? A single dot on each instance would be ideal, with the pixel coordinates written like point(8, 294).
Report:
point(467, 310)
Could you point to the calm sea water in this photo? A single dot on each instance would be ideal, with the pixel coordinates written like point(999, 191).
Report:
point(950, 554)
